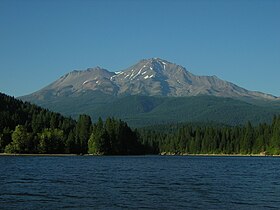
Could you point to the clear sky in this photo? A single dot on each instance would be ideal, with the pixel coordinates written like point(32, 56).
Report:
point(236, 40)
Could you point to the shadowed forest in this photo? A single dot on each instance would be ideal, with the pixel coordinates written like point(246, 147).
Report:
point(28, 129)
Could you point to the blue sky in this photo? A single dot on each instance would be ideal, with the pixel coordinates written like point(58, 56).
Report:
point(236, 40)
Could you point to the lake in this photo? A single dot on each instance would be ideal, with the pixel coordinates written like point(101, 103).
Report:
point(133, 182)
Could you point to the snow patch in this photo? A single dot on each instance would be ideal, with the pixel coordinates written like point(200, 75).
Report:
point(131, 75)
point(148, 77)
point(144, 72)
point(163, 64)
point(139, 72)
point(142, 67)
point(111, 78)
point(85, 82)
point(127, 76)
point(151, 68)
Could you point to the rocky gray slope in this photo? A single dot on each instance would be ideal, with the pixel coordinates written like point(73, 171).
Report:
point(149, 77)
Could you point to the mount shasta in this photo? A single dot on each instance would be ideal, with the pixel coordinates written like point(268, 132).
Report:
point(146, 90)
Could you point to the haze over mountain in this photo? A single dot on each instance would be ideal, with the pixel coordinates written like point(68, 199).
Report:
point(154, 91)
point(149, 77)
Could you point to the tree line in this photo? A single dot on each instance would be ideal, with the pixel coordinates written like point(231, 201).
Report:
point(27, 128)
point(216, 139)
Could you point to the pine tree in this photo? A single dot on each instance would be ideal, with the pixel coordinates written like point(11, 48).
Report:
point(274, 144)
point(247, 143)
point(51, 141)
point(99, 141)
point(83, 131)
point(5, 139)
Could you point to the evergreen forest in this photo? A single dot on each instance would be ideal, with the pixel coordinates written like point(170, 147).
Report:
point(28, 129)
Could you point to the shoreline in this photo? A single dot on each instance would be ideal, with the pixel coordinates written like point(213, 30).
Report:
point(161, 154)
point(53, 155)
point(219, 155)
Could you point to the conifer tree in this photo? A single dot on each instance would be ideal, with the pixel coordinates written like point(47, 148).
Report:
point(83, 131)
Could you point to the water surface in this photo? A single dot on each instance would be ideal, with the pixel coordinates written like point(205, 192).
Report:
point(133, 182)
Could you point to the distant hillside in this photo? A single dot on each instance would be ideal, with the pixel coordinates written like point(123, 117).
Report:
point(147, 110)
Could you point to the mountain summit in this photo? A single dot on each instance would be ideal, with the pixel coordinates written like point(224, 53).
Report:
point(148, 77)
point(154, 91)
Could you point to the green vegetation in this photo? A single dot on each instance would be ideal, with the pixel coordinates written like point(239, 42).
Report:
point(215, 139)
point(27, 128)
point(139, 111)
point(114, 137)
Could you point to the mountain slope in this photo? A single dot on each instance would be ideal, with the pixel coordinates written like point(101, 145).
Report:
point(154, 91)
point(150, 110)
point(149, 77)
point(76, 83)
point(157, 77)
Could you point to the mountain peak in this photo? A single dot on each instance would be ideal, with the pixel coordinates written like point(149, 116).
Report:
point(96, 68)
point(92, 69)
point(151, 68)
point(151, 77)
point(155, 61)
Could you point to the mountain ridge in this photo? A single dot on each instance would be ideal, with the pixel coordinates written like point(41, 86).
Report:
point(154, 91)
point(150, 77)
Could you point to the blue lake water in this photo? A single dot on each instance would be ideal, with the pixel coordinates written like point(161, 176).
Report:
point(133, 182)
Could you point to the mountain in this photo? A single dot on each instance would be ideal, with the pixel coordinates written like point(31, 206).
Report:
point(157, 77)
point(149, 77)
point(154, 91)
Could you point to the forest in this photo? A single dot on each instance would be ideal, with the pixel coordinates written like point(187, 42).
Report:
point(28, 129)
point(217, 139)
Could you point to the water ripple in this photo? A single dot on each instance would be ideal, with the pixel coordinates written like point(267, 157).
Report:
point(146, 182)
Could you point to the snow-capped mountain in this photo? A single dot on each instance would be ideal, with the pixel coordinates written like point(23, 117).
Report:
point(149, 77)
point(157, 77)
